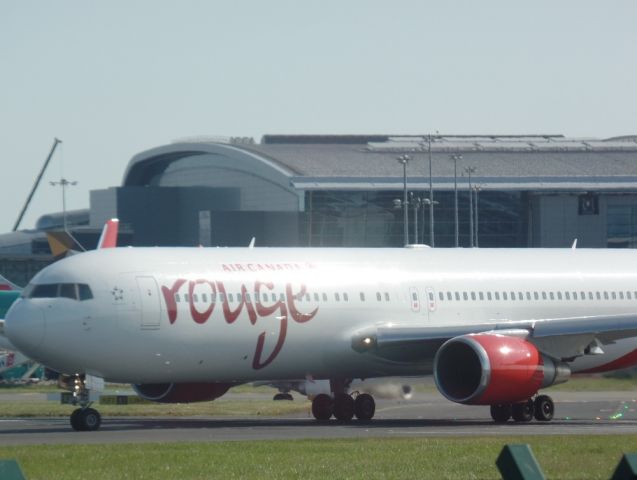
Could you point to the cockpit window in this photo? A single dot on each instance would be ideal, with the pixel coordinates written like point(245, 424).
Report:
point(47, 290)
point(68, 290)
point(74, 291)
point(85, 291)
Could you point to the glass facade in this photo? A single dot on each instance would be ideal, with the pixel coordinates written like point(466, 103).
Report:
point(372, 219)
point(621, 226)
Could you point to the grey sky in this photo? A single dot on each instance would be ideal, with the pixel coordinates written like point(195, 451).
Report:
point(114, 78)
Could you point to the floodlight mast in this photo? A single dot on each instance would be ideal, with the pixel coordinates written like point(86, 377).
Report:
point(35, 185)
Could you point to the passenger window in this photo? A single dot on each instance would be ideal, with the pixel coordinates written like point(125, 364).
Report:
point(449, 296)
point(473, 296)
point(543, 295)
point(204, 297)
point(621, 295)
point(481, 295)
point(628, 296)
point(85, 291)
point(598, 295)
point(528, 296)
point(379, 298)
point(325, 297)
point(504, 296)
point(362, 296)
point(230, 297)
point(536, 296)
point(307, 297)
point(605, 295)
point(337, 297)
point(590, 295)
point(457, 296)
point(497, 295)
point(441, 295)
point(465, 297)
point(552, 295)
point(488, 295)
point(316, 297)
point(67, 290)
point(559, 295)
point(613, 295)
point(345, 297)
point(194, 297)
point(185, 297)
point(177, 298)
point(386, 297)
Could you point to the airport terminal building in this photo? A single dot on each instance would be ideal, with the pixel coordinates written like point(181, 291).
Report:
point(527, 191)
point(346, 191)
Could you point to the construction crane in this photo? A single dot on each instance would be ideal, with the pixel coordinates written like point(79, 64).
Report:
point(37, 182)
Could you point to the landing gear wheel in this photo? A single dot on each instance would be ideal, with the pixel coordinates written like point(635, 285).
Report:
point(75, 420)
point(523, 412)
point(501, 413)
point(85, 420)
point(364, 406)
point(343, 407)
point(544, 408)
point(282, 396)
point(322, 407)
point(90, 419)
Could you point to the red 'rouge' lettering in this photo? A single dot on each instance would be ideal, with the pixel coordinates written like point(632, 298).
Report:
point(197, 316)
point(231, 315)
point(259, 308)
point(169, 297)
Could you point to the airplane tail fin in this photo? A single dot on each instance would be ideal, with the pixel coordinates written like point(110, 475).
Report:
point(6, 285)
point(108, 239)
point(63, 244)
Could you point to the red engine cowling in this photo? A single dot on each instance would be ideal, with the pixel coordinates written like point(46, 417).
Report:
point(181, 392)
point(488, 369)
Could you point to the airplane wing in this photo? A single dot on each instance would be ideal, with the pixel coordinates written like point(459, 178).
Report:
point(562, 338)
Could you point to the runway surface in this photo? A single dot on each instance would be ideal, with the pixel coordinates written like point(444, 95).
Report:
point(427, 415)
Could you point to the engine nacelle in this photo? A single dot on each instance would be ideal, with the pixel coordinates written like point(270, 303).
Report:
point(181, 392)
point(490, 369)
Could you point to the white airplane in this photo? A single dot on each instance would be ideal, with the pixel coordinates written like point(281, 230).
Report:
point(493, 326)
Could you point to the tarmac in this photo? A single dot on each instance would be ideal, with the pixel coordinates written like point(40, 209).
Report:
point(425, 415)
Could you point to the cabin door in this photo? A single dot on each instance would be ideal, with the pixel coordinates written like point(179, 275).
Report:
point(149, 302)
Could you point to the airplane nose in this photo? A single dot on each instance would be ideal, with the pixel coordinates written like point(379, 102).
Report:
point(25, 326)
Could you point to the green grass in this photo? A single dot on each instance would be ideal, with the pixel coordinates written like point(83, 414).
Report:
point(595, 384)
point(218, 407)
point(564, 457)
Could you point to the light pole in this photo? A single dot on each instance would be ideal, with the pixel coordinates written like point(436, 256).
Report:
point(455, 158)
point(404, 160)
point(469, 171)
point(64, 183)
point(431, 200)
point(477, 190)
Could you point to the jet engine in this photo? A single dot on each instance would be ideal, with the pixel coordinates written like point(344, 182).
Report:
point(181, 392)
point(490, 369)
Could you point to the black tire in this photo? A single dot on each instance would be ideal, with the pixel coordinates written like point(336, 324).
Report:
point(364, 406)
point(544, 408)
point(322, 407)
point(523, 412)
point(90, 419)
point(501, 413)
point(343, 407)
point(76, 424)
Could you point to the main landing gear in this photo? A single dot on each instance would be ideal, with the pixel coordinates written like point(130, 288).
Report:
point(342, 405)
point(85, 418)
point(541, 408)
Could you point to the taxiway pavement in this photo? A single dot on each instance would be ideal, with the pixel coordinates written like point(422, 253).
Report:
point(426, 415)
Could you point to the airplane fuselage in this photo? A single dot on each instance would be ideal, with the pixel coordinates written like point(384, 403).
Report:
point(237, 314)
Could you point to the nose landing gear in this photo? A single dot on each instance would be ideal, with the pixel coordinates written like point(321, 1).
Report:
point(85, 418)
